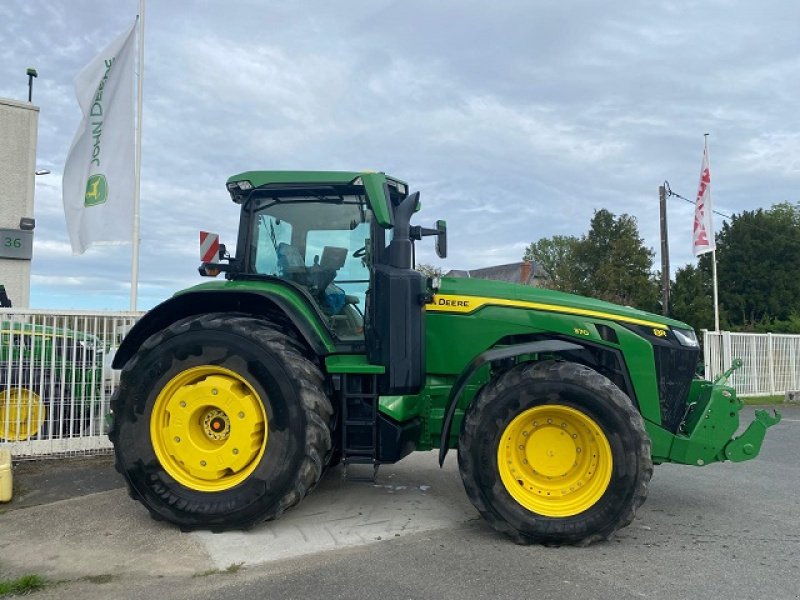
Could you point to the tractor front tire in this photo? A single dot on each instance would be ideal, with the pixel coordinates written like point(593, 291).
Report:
point(554, 453)
point(220, 422)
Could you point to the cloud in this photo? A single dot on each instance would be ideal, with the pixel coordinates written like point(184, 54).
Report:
point(516, 120)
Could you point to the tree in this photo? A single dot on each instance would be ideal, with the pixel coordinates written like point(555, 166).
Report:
point(610, 262)
point(613, 263)
point(691, 295)
point(556, 255)
point(758, 253)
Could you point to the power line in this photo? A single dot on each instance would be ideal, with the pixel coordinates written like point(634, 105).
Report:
point(716, 212)
point(671, 193)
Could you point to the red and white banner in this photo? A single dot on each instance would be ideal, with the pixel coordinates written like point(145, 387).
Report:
point(209, 247)
point(703, 236)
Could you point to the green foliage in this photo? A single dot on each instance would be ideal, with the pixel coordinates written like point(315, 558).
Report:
point(23, 585)
point(692, 295)
point(759, 290)
point(758, 253)
point(610, 262)
point(556, 255)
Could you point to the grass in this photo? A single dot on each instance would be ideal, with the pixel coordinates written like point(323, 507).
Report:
point(758, 400)
point(23, 585)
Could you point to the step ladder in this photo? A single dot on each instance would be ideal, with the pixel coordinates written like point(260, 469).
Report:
point(359, 424)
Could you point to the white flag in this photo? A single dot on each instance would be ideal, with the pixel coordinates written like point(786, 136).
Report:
point(98, 184)
point(703, 235)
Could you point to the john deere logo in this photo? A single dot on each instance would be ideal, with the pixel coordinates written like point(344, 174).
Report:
point(96, 190)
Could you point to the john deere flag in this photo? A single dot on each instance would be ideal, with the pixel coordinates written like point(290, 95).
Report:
point(98, 185)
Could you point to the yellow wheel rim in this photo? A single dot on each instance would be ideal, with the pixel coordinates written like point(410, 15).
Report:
point(554, 460)
point(21, 414)
point(209, 428)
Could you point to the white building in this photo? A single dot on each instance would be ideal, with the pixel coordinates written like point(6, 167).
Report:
point(19, 122)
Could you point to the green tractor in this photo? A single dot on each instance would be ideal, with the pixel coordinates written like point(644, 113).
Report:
point(325, 345)
point(50, 381)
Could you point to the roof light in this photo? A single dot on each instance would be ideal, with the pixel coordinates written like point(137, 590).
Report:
point(245, 185)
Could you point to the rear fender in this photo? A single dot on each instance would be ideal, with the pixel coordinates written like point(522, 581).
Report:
point(260, 303)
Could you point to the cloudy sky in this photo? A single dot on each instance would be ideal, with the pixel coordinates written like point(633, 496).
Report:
point(515, 120)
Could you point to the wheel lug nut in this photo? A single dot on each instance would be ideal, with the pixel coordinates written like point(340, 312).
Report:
point(177, 440)
point(525, 433)
point(202, 463)
point(183, 404)
point(549, 421)
point(214, 391)
point(241, 415)
point(236, 451)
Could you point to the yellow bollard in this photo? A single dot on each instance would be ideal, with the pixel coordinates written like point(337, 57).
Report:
point(5, 475)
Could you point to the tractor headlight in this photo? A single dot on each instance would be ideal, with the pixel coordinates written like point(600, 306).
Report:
point(686, 337)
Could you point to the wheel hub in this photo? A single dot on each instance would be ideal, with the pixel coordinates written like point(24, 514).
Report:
point(554, 460)
point(209, 428)
point(217, 425)
point(21, 414)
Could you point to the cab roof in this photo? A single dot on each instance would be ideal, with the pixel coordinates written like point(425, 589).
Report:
point(259, 178)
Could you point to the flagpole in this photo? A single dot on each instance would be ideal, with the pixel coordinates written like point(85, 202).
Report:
point(137, 161)
point(713, 252)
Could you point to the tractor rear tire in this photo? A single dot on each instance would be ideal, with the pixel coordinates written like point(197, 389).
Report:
point(554, 453)
point(220, 422)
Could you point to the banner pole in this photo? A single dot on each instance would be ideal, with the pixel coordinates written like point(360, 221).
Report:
point(714, 251)
point(137, 161)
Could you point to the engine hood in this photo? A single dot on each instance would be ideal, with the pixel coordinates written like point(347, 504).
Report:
point(463, 295)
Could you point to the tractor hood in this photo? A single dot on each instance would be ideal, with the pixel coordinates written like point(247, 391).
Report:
point(464, 295)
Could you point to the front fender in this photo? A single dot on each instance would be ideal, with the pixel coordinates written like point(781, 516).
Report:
point(491, 355)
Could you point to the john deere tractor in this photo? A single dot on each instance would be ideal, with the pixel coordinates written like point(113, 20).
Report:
point(324, 345)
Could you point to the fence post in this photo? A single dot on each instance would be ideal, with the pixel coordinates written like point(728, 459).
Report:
point(726, 350)
point(771, 364)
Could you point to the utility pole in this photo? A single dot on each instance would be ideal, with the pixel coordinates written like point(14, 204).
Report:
point(662, 197)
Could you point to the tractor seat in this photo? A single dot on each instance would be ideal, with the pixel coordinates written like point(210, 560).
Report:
point(290, 264)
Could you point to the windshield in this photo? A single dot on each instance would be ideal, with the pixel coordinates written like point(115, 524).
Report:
point(317, 242)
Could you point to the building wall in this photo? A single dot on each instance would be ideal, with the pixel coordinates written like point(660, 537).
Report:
point(19, 123)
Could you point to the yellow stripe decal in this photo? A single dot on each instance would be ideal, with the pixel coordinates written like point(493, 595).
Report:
point(468, 304)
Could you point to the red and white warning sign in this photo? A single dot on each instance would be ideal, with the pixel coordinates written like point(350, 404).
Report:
point(209, 246)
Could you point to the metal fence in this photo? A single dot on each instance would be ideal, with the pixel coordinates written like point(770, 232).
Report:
point(56, 379)
point(771, 361)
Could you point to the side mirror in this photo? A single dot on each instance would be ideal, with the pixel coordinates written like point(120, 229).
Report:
point(441, 239)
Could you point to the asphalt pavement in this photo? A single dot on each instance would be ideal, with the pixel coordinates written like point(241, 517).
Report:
point(721, 531)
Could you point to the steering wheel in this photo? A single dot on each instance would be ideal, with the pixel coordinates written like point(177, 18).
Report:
point(360, 253)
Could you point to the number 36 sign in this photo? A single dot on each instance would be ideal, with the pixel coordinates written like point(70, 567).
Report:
point(15, 243)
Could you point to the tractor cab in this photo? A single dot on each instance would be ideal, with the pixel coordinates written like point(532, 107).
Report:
point(315, 240)
point(344, 240)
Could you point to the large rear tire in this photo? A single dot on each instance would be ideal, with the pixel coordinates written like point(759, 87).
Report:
point(554, 453)
point(220, 422)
